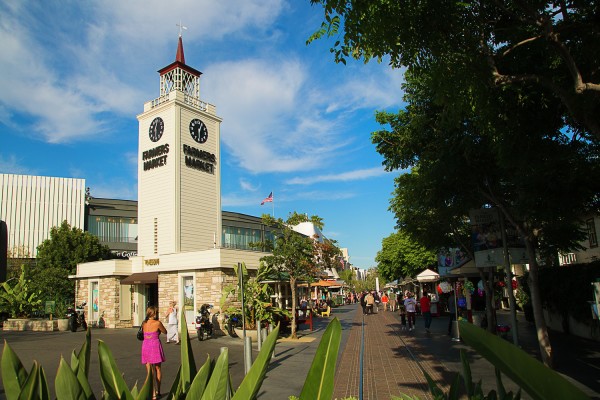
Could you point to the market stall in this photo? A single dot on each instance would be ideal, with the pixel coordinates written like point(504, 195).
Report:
point(429, 276)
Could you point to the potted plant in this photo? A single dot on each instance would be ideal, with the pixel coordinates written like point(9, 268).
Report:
point(60, 311)
point(257, 302)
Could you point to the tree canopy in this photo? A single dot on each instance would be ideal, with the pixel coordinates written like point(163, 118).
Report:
point(57, 258)
point(292, 252)
point(534, 45)
point(401, 256)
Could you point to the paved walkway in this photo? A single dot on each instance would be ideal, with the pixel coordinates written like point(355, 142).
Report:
point(393, 358)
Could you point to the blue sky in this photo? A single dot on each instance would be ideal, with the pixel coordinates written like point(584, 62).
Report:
point(74, 75)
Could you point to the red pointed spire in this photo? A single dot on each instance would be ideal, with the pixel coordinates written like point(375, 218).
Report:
point(180, 57)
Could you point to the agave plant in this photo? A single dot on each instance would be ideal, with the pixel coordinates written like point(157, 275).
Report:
point(209, 382)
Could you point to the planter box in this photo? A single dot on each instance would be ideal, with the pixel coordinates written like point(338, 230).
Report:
point(62, 324)
point(24, 324)
point(251, 333)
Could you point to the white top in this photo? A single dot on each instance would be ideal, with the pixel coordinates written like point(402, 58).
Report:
point(410, 304)
point(173, 317)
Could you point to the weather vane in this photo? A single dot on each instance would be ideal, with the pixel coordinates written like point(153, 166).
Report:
point(181, 28)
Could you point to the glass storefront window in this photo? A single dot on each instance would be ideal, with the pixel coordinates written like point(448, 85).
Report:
point(113, 229)
point(95, 300)
point(240, 238)
point(188, 298)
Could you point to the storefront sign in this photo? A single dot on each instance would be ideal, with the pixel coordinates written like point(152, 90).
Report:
point(152, 261)
point(124, 254)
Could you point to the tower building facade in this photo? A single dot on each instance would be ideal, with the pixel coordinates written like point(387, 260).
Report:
point(179, 174)
point(179, 254)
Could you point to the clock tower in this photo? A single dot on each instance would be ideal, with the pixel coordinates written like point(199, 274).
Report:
point(179, 173)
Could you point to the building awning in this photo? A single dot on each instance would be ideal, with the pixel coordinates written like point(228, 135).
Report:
point(141, 278)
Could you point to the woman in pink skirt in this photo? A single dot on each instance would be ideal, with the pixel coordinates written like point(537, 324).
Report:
point(152, 351)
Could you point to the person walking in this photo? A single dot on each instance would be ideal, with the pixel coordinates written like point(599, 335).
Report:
point(392, 297)
point(385, 300)
point(363, 302)
point(425, 303)
point(172, 323)
point(152, 351)
point(410, 304)
point(370, 300)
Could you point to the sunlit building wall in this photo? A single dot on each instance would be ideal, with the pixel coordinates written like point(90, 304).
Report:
point(32, 205)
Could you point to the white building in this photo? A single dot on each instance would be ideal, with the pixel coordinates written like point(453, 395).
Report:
point(31, 205)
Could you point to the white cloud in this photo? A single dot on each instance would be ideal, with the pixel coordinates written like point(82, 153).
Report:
point(247, 186)
point(341, 177)
point(12, 165)
point(67, 73)
point(278, 113)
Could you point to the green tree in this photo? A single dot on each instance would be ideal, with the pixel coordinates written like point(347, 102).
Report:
point(496, 116)
point(57, 258)
point(402, 256)
point(535, 46)
point(18, 299)
point(369, 283)
point(505, 149)
point(348, 276)
point(327, 253)
point(292, 253)
point(16, 257)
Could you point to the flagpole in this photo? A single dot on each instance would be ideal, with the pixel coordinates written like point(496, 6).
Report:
point(273, 204)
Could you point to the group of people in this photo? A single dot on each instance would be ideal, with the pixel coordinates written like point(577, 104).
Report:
point(405, 303)
point(153, 354)
point(408, 311)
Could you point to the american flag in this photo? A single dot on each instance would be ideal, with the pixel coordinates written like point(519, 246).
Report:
point(268, 199)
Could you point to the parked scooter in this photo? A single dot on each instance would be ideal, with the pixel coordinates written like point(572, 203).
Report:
point(232, 321)
point(77, 317)
point(204, 325)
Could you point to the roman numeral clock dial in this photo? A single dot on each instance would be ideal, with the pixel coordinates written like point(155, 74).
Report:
point(198, 131)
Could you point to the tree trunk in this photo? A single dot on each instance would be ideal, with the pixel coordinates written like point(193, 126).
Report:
point(536, 303)
point(293, 287)
point(490, 307)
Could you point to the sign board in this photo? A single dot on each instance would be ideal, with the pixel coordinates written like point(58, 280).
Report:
point(50, 306)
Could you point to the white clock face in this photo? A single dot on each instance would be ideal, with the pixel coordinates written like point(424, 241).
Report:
point(157, 127)
point(198, 131)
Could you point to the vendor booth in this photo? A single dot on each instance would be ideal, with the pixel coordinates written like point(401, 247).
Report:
point(429, 276)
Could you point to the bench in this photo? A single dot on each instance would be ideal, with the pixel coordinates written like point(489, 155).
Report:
point(305, 319)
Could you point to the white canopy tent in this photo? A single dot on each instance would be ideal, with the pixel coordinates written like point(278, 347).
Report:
point(428, 276)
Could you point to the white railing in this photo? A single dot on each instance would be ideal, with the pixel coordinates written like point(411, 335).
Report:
point(189, 100)
point(566, 259)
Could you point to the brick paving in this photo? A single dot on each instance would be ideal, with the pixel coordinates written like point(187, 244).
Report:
point(394, 359)
point(390, 366)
